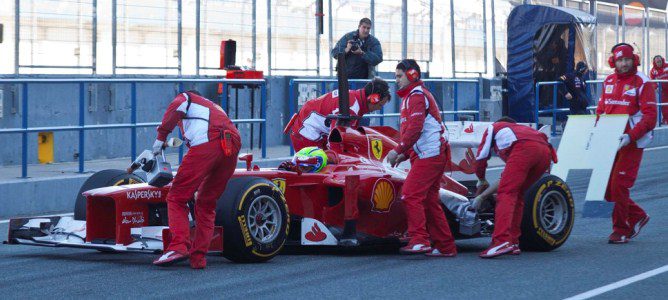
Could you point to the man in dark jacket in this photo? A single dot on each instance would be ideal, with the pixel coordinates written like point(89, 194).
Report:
point(574, 90)
point(363, 51)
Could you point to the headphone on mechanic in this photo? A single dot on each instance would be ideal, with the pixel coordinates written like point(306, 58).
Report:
point(611, 59)
point(412, 74)
point(375, 98)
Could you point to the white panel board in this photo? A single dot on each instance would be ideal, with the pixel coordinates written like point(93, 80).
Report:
point(587, 144)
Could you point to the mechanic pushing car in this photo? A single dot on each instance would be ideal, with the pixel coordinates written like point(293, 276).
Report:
point(627, 92)
point(527, 154)
point(214, 144)
point(422, 140)
point(310, 127)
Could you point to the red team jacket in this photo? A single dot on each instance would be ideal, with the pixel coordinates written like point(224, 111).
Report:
point(662, 74)
point(502, 136)
point(659, 72)
point(310, 121)
point(199, 119)
point(631, 94)
point(421, 127)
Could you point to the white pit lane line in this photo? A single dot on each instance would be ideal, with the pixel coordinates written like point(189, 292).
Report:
point(56, 215)
point(619, 284)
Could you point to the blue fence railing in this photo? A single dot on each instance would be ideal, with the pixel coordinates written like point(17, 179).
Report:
point(554, 110)
point(133, 125)
point(359, 83)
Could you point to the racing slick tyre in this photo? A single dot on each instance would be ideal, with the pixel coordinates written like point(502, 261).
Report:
point(255, 220)
point(100, 179)
point(548, 215)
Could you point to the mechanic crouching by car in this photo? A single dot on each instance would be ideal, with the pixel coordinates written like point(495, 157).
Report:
point(310, 127)
point(527, 154)
point(627, 92)
point(214, 144)
point(422, 141)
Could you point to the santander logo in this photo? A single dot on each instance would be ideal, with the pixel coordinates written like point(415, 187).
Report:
point(469, 129)
point(316, 234)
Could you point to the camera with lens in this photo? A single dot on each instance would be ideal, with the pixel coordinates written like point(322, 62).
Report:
point(356, 43)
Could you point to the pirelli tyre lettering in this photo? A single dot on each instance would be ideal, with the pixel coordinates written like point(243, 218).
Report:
point(548, 216)
point(255, 220)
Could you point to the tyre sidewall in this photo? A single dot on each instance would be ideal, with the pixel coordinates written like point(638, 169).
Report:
point(534, 236)
point(239, 245)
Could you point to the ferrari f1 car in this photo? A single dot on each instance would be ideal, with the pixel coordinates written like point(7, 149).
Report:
point(355, 200)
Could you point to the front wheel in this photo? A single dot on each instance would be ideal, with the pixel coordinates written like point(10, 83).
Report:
point(255, 220)
point(548, 215)
point(104, 178)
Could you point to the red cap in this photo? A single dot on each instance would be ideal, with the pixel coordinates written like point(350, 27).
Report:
point(622, 51)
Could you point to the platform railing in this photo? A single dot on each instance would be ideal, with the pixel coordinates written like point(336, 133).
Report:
point(554, 110)
point(359, 83)
point(133, 125)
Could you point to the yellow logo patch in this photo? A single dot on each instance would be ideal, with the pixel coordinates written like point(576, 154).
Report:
point(280, 183)
point(377, 148)
point(382, 195)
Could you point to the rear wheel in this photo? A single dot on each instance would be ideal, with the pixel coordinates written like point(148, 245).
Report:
point(100, 179)
point(255, 220)
point(548, 215)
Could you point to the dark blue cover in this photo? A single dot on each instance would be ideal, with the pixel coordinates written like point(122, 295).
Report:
point(523, 23)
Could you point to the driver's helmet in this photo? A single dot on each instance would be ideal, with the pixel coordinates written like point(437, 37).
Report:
point(310, 159)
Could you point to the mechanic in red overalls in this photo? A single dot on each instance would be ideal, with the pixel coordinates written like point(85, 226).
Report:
point(422, 140)
point(214, 144)
point(527, 154)
point(660, 72)
point(627, 92)
point(309, 127)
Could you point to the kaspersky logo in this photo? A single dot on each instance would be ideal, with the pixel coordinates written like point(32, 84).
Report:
point(146, 195)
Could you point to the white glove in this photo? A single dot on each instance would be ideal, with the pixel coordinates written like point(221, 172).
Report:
point(392, 157)
point(624, 140)
point(158, 145)
point(476, 202)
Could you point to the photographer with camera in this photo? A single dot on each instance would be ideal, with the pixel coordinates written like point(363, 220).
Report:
point(363, 51)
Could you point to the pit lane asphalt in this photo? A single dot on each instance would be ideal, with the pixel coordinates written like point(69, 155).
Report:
point(584, 263)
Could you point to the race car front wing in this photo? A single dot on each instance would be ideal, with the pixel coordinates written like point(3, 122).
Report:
point(67, 232)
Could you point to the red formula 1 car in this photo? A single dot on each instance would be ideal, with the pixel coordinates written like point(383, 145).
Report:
point(354, 201)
